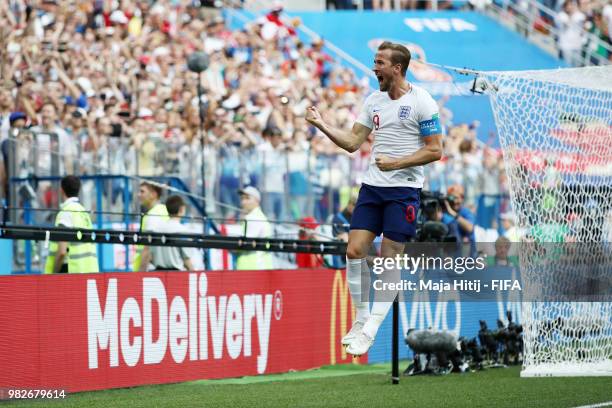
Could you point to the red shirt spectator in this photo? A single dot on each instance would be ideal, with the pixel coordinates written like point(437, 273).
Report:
point(307, 232)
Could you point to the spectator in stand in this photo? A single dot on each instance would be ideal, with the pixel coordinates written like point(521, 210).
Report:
point(273, 155)
point(123, 64)
point(256, 225)
point(56, 146)
point(595, 49)
point(342, 220)
point(502, 257)
point(17, 121)
point(78, 130)
point(322, 59)
point(509, 228)
point(457, 217)
point(489, 188)
point(6, 105)
point(308, 226)
point(570, 23)
point(298, 160)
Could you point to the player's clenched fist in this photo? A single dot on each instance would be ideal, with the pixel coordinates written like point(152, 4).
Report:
point(385, 163)
point(313, 116)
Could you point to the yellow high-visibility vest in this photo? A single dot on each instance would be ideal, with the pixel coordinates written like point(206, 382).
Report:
point(256, 260)
point(82, 256)
point(158, 211)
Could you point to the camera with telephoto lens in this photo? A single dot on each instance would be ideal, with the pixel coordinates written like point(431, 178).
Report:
point(430, 227)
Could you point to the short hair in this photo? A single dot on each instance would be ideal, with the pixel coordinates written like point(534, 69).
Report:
point(71, 186)
point(399, 54)
point(153, 187)
point(174, 204)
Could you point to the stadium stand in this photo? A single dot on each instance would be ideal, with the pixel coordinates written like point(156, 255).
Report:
point(132, 110)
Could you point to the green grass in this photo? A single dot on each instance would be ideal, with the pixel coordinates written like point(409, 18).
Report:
point(354, 386)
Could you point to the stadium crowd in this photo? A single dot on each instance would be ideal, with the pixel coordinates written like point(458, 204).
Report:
point(110, 80)
point(574, 20)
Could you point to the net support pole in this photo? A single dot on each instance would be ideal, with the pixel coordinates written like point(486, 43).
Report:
point(395, 343)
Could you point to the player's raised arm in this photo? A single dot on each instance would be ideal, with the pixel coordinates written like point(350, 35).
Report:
point(349, 141)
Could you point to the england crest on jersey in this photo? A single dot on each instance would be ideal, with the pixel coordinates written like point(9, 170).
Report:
point(404, 112)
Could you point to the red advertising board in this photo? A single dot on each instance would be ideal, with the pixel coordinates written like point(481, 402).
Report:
point(97, 331)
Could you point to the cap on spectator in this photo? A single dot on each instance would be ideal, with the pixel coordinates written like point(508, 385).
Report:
point(79, 113)
point(145, 113)
point(456, 189)
point(15, 116)
point(144, 59)
point(251, 191)
point(118, 17)
point(309, 223)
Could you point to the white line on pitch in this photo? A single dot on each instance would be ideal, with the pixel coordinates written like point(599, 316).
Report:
point(601, 404)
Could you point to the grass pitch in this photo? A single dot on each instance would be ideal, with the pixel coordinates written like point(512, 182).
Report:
point(354, 386)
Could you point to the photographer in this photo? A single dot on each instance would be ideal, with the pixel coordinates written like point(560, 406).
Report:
point(459, 219)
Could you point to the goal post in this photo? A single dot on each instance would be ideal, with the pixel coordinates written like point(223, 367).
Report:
point(555, 130)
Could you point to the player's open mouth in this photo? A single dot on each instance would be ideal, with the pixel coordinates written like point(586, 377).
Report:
point(380, 78)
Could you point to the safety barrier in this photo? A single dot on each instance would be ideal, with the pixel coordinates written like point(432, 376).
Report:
point(96, 331)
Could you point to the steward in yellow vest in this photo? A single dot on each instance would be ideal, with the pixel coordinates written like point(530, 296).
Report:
point(72, 257)
point(256, 225)
point(149, 195)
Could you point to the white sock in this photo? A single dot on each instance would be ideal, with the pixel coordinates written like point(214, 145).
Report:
point(381, 305)
point(353, 277)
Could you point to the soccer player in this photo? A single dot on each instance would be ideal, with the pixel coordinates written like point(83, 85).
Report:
point(407, 135)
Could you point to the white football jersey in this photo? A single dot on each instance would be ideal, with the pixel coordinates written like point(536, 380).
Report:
point(397, 130)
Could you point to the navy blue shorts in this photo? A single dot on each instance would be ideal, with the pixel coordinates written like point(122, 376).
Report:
point(391, 211)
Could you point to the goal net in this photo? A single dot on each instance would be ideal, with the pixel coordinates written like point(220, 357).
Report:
point(555, 129)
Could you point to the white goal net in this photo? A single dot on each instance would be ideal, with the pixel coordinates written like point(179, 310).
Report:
point(555, 129)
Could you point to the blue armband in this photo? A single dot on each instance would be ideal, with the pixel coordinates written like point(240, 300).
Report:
point(431, 126)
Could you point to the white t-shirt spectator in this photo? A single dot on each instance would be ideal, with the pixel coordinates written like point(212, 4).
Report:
point(274, 163)
point(570, 31)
